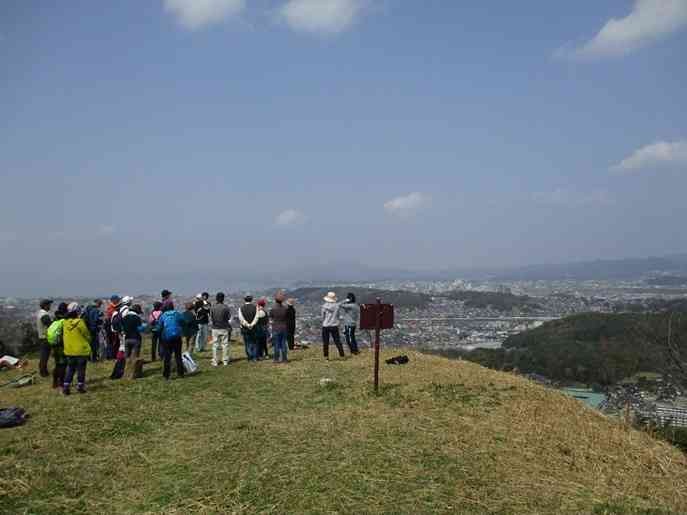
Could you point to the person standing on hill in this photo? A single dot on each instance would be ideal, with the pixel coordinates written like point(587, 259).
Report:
point(248, 319)
point(291, 324)
point(350, 313)
point(94, 320)
point(190, 326)
point(170, 339)
point(220, 315)
point(155, 330)
point(55, 340)
point(166, 297)
point(132, 326)
point(43, 321)
point(330, 324)
point(263, 333)
point(279, 316)
point(77, 348)
point(112, 336)
point(203, 317)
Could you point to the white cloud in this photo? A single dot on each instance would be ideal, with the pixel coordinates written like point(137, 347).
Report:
point(290, 217)
point(322, 16)
point(407, 205)
point(565, 198)
point(658, 154)
point(194, 14)
point(649, 21)
point(106, 229)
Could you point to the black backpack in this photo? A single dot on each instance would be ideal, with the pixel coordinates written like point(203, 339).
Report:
point(10, 417)
point(116, 323)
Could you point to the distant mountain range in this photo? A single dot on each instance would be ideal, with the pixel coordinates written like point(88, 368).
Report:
point(610, 269)
point(197, 278)
point(601, 269)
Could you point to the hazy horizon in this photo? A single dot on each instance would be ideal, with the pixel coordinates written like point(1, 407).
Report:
point(150, 142)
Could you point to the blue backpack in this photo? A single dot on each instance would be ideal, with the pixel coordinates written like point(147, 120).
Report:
point(171, 325)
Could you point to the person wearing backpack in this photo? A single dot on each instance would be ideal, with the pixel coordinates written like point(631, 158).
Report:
point(170, 323)
point(117, 324)
point(94, 320)
point(55, 340)
point(133, 326)
point(77, 348)
point(155, 330)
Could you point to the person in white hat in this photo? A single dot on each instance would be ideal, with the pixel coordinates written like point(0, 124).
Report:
point(330, 324)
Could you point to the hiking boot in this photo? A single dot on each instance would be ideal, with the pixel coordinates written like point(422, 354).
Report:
point(81, 388)
point(65, 390)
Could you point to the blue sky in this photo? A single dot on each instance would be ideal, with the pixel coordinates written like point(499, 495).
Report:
point(145, 139)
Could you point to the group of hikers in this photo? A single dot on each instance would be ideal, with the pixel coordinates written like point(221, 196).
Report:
point(74, 334)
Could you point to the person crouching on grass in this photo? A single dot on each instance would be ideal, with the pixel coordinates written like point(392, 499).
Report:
point(77, 348)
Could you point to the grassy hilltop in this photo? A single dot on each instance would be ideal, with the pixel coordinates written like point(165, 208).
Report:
point(444, 437)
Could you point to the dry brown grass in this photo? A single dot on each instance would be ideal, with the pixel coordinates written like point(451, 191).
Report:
point(443, 437)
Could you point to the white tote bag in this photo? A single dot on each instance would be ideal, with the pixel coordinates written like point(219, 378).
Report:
point(190, 366)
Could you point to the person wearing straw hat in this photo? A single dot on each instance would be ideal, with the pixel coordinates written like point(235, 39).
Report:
point(330, 324)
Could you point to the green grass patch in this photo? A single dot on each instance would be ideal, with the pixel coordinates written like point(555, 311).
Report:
point(440, 437)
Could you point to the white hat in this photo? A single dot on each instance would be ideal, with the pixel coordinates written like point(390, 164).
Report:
point(199, 296)
point(73, 307)
point(127, 299)
point(331, 297)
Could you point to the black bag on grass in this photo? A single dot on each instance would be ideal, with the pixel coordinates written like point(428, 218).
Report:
point(398, 360)
point(118, 370)
point(11, 417)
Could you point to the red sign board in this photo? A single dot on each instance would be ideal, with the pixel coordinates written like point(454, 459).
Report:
point(370, 313)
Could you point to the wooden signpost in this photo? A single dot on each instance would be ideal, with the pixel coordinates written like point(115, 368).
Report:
point(377, 317)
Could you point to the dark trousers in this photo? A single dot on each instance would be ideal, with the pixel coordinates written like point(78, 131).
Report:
point(154, 345)
point(332, 332)
point(279, 347)
point(58, 374)
point(95, 354)
point(291, 340)
point(349, 333)
point(44, 348)
point(112, 345)
point(262, 335)
point(172, 347)
point(250, 342)
point(76, 364)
